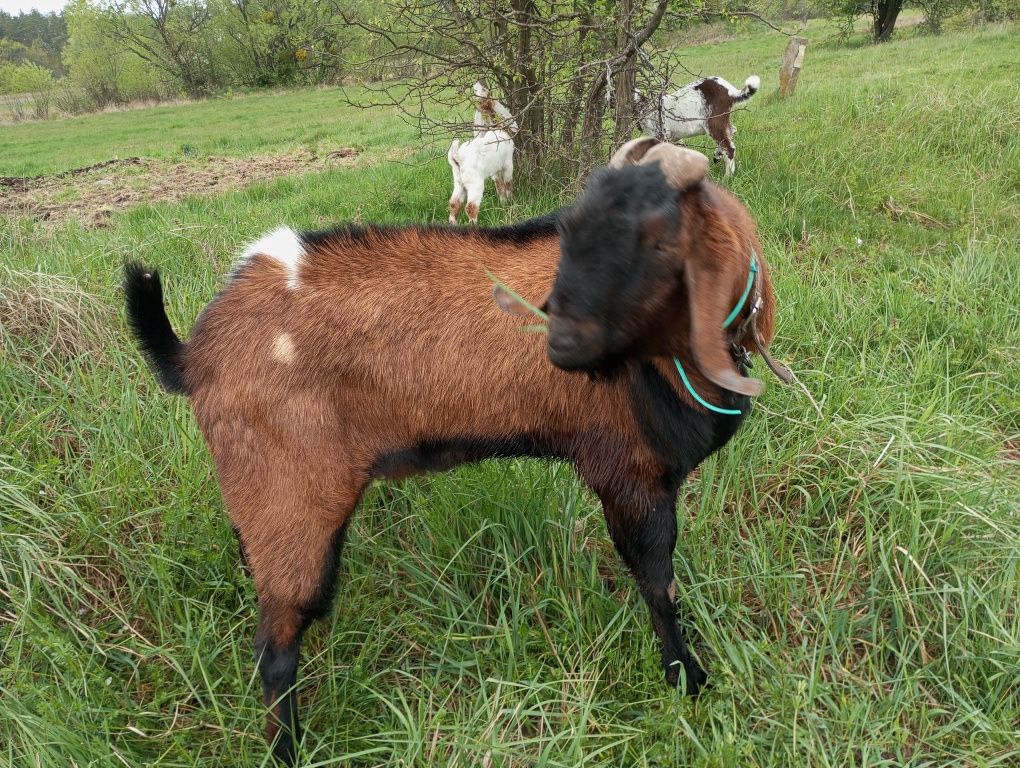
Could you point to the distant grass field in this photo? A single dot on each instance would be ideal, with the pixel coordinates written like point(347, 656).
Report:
point(247, 125)
point(850, 579)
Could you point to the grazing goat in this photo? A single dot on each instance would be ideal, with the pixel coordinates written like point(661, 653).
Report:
point(332, 358)
point(488, 155)
point(702, 107)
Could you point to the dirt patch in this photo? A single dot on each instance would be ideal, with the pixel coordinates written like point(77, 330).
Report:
point(93, 193)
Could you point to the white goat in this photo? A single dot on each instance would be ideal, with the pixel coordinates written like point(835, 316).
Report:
point(702, 107)
point(488, 155)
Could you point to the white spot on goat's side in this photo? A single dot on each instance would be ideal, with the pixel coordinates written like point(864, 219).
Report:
point(283, 349)
point(282, 244)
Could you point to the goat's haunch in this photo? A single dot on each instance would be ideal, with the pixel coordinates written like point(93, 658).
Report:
point(332, 358)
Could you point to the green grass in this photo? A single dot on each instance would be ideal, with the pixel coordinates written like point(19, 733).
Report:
point(240, 126)
point(849, 579)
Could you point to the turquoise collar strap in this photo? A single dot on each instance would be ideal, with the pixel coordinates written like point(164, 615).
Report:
point(752, 276)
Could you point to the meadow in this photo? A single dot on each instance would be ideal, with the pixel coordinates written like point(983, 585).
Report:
point(849, 574)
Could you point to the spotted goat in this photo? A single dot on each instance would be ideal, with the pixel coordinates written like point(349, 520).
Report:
point(702, 107)
point(332, 358)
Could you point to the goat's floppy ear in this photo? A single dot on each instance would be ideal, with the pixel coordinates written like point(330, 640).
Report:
point(682, 167)
point(632, 151)
point(709, 306)
point(513, 304)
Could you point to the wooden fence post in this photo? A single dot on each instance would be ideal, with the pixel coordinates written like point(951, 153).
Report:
point(793, 60)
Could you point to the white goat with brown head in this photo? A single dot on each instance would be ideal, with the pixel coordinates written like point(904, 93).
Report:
point(488, 155)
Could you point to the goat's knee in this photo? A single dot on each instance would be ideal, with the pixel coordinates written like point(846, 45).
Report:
point(455, 203)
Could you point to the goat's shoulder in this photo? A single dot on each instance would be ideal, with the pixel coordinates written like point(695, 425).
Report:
point(523, 231)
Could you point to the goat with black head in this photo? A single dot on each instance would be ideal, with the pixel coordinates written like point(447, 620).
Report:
point(336, 357)
point(646, 259)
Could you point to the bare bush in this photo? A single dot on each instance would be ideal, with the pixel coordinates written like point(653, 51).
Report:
point(555, 65)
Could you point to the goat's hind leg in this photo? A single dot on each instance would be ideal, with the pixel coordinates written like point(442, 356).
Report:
point(644, 534)
point(456, 201)
point(475, 185)
point(505, 183)
point(293, 542)
point(719, 131)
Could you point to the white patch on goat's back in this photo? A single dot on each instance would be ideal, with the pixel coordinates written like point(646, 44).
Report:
point(283, 349)
point(285, 246)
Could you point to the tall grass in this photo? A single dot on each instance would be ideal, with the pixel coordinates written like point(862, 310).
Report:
point(849, 577)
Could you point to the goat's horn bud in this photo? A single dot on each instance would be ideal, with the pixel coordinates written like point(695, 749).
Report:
point(681, 166)
point(632, 151)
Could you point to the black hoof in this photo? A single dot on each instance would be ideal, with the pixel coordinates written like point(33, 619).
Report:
point(283, 750)
point(695, 677)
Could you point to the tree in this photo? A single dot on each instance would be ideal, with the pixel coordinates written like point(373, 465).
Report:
point(33, 37)
point(100, 67)
point(884, 13)
point(554, 64)
point(170, 35)
point(270, 40)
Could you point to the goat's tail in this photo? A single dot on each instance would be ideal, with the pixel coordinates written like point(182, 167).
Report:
point(151, 327)
point(452, 154)
point(751, 86)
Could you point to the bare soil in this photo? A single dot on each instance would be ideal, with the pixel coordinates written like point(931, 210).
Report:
point(93, 193)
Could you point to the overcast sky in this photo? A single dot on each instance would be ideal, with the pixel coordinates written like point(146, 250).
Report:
point(14, 7)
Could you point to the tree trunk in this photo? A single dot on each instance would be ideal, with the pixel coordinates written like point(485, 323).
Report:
point(886, 12)
point(526, 101)
point(626, 78)
point(592, 131)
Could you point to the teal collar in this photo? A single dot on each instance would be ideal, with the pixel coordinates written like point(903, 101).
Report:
point(752, 276)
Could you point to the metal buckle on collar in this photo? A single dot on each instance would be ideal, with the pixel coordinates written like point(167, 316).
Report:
point(740, 355)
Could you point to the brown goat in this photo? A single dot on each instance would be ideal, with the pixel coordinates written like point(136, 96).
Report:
point(333, 358)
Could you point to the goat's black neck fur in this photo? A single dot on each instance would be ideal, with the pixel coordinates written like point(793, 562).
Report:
point(681, 436)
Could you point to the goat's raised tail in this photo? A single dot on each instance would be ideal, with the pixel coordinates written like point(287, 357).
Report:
point(151, 327)
point(751, 86)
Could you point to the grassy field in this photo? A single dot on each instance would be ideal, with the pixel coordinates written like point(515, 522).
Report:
point(850, 577)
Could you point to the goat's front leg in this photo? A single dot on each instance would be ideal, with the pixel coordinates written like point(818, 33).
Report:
point(645, 536)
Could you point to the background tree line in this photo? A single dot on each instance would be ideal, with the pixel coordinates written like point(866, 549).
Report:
point(565, 68)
